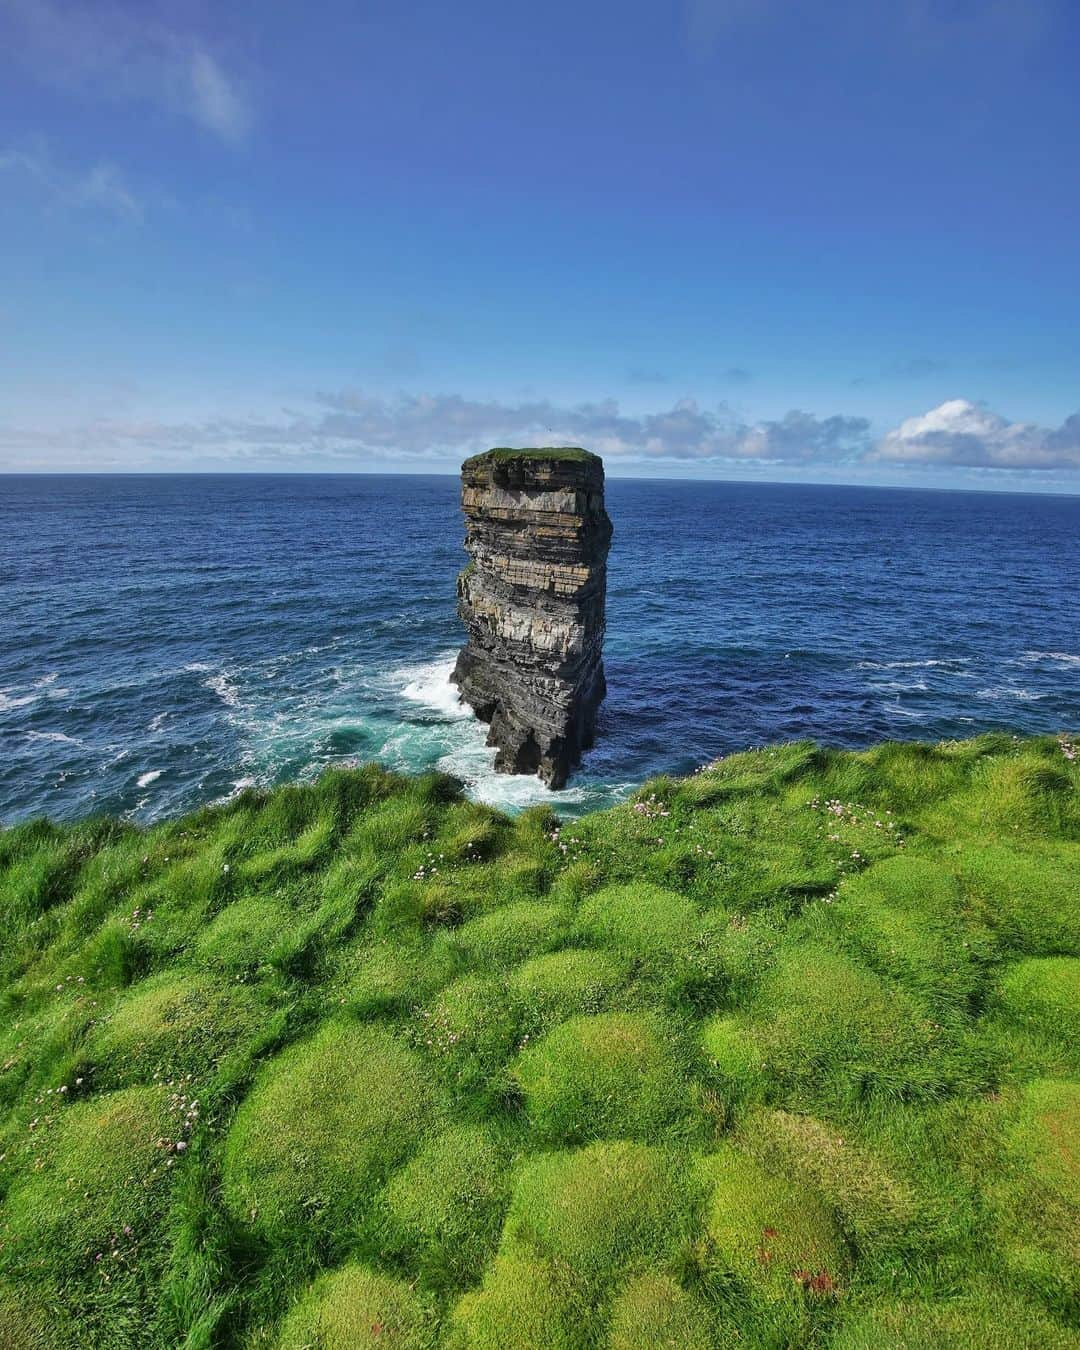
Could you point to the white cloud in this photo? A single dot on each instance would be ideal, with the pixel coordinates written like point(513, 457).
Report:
point(101, 187)
point(350, 429)
point(353, 426)
point(125, 53)
point(970, 435)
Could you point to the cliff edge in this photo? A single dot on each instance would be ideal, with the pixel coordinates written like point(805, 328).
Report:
point(532, 602)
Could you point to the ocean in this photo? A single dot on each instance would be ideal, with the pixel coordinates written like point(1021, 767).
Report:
point(166, 641)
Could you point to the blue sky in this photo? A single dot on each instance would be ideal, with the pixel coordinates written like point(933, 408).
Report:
point(725, 238)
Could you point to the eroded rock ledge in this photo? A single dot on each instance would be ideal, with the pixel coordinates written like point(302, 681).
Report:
point(532, 601)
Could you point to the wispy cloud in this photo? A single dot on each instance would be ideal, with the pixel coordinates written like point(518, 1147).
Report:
point(351, 429)
point(353, 426)
point(124, 52)
point(101, 187)
point(970, 435)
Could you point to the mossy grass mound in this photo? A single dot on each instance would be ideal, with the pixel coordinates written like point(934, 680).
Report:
point(1042, 995)
point(612, 1074)
point(511, 933)
point(322, 1127)
point(468, 1034)
point(523, 1303)
point(654, 1310)
point(979, 1320)
point(1037, 1193)
point(602, 1211)
point(98, 1175)
point(251, 931)
point(446, 1205)
point(362, 1054)
point(554, 987)
point(353, 1308)
point(772, 1250)
point(832, 1032)
point(172, 1026)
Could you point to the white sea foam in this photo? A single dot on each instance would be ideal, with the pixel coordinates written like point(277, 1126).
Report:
point(429, 685)
point(10, 699)
point(462, 738)
point(908, 665)
point(900, 711)
point(59, 737)
point(46, 680)
point(157, 722)
point(145, 779)
point(222, 685)
point(1065, 659)
point(999, 692)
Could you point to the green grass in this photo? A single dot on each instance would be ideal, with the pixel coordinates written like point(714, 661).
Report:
point(566, 454)
point(781, 1054)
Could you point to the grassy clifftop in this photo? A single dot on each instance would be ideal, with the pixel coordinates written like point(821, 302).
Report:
point(785, 1053)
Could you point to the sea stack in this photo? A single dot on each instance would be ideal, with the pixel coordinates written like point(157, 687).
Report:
point(532, 602)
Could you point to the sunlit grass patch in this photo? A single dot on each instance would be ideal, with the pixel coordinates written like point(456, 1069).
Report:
point(735, 1061)
point(645, 922)
point(654, 1310)
point(1036, 1196)
point(355, 1307)
point(446, 1205)
point(832, 1033)
point(553, 987)
point(605, 1210)
point(468, 1032)
point(903, 918)
point(873, 1205)
point(323, 1126)
point(612, 1074)
point(378, 975)
point(25, 1324)
point(172, 1025)
point(1042, 995)
point(511, 933)
point(521, 1303)
point(306, 851)
point(771, 1249)
point(254, 930)
point(1031, 900)
point(968, 1321)
point(98, 1174)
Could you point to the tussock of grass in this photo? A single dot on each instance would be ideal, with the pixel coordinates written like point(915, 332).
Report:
point(447, 1204)
point(96, 1174)
point(653, 1310)
point(1037, 1195)
point(510, 934)
point(321, 1129)
point(602, 1211)
point(772, 1249)
point(520, 1303)
point(833, 1033)
point(612, 1074)
point(551, 988)
point(168, 1027)
point(782, 1054)
point(353, 1308)
point(468, 1032)
point(1042, 995)
point(985, 1321)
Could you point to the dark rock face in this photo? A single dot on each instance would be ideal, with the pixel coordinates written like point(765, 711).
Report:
point(532, 601)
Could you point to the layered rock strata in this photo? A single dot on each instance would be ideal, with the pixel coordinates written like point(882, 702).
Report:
point(532, 602)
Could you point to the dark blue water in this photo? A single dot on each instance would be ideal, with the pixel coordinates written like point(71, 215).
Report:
point(166, 640)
